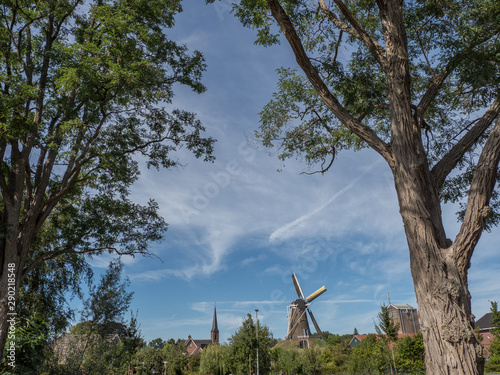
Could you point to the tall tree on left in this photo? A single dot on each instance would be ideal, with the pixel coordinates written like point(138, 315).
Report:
point(83, 90)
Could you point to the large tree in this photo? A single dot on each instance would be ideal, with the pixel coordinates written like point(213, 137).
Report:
point(104, 309)
point(418, 82)
point(244, 344)
point(84, 88)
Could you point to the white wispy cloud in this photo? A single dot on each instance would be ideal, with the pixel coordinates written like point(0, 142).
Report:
point(250, 260)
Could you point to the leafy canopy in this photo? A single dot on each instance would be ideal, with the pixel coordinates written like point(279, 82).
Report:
point(453, 46)
point(85, 97)
point(108, 301)
point(386, 325)
point(244, 346)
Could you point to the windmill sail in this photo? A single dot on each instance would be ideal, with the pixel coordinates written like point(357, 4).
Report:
point(298, 326)
point(316, 294)
point(297, 286)
point(316, 326)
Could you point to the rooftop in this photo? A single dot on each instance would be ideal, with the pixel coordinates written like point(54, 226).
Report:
point(403, 306)
point(484, 322)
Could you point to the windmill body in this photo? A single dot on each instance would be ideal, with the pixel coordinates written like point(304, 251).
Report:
point(298, 325)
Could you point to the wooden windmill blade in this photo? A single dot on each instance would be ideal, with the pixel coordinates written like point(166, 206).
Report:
point(316, 326)
point(316, 294)
point(297, 286)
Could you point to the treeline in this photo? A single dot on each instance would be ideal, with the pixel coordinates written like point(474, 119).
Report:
point(330, 356)
point(127, 353)
point(105, 343)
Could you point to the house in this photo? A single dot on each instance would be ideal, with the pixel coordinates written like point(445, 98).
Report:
point(484, 325)
point(196, 346)
point(356, 339)
point(406, 316)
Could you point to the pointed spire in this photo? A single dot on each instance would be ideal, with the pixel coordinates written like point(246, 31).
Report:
point(214, 335)
point(214, 324)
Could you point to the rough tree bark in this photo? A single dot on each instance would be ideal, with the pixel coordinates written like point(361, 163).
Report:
point(438, 265)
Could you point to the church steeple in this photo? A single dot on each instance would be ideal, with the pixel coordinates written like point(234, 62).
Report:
point(214, 334)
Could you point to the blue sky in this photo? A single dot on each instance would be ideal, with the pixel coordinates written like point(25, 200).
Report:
point(239, 227)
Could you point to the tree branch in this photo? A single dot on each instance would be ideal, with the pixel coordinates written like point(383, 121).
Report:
point(357, 30)
point(364, 132)
point(480, 194)
point(432, 92)
point(54, 254)
point(335, 20)
point(439, 79)
point(449, 161)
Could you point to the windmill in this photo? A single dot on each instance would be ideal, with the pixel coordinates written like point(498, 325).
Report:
point(298, 326)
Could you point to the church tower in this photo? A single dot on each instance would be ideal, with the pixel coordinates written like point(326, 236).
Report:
point(214, 334)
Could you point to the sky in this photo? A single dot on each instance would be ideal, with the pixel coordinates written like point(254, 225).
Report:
point(239, 227)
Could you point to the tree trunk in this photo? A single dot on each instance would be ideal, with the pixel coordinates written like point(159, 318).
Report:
point(445, 311)
point(441, 289)
point(442, 294)
point(451, 345)
point(439, 268)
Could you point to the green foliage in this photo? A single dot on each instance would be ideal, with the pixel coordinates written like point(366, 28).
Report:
point(459, 37)
point(157, 343)
point(43, 311)
point(295, 119)
point(287, 361)
point(84, 88)
point(49, 285)
point(216, 360)
point(495, 318)
point(312, 361)
point(370, 356)
point(31, 343)
point(106, 72)
point(336, 358)
point(175, 355)
point(108, 302)
point(244, 348)
point(331, 339)
point(386, 329)
point(193, 366)
point(104, 355)
point(148, 360)
point(493, 363)
point(410, 355)
point(132, 339)
point(103, 342)
point(495, 347)
point(93, 353)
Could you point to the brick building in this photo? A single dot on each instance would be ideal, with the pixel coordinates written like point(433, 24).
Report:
point(484, 325)
point(194, 346)
point(406, 316)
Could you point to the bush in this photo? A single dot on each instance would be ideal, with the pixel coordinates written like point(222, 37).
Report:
point(371, 356)
point(410, 355)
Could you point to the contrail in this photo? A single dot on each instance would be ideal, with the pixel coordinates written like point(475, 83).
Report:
point(280, 232)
